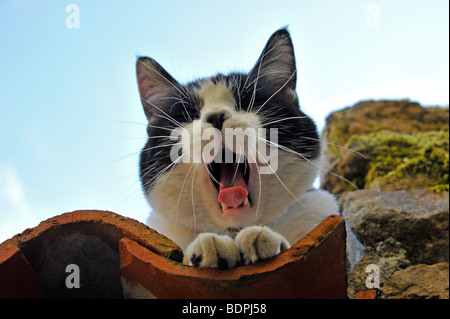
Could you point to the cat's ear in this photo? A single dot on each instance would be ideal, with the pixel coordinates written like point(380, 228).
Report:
point(277, 61)
point(154, 83)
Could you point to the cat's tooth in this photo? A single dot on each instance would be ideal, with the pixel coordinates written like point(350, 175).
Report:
point(224, 206)
point(246, 202)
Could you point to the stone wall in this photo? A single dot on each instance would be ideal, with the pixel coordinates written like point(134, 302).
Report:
point(387, 161)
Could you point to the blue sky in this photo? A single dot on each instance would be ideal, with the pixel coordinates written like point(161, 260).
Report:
point(71, 122)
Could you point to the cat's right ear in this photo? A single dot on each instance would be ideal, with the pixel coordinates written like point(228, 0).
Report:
point(277, 62)
point(154, 83)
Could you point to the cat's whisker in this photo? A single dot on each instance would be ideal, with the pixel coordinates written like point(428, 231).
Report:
point(178, 124)
point(285, 119)
point(160, 146)
point(277, 91)
point(192, 199)
point(160, 136)
point(145, 171)
point(161, 128)
point(237, 166)
point(170, 118)
point(312, 138)
point(121, 122)
point(340, 146)
point(162, 171)
point(179, 197)
point(287, 149)
point(253, 98)
point(211, 175)
point(237, 84)
point(178, 101)
point(279, 179)
point(145, 149)
point(260, 185)
point(186, 111)
point(123, 157)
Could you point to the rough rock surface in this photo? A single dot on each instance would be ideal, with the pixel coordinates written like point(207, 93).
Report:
point(401, 116)
point(387, 145)
point(389, 164)
point(388, 255)
point(419, 220)
point(418, 282)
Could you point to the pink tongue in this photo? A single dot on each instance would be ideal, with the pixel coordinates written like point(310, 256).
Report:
point(232, 193)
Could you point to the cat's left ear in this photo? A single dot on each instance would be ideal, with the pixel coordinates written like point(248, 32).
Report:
point(155, 85)
point(277, 62)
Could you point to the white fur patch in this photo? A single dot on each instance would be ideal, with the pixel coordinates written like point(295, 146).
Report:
point(258, 243)
point(210, 247)
point(214, 95)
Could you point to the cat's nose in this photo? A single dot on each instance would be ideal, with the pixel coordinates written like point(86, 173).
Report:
point(217, 119)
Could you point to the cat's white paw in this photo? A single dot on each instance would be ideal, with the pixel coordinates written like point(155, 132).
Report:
point(259, 242)
point(213, 251)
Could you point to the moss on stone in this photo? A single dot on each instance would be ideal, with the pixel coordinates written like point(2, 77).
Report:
point(402, 116)
point(403, 161)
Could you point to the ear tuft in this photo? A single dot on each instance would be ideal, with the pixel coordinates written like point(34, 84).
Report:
point(154, 84)
point(277, 61)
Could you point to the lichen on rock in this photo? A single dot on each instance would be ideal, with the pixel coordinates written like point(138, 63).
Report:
point(397, 161)
point(386, 145)
point(402, 116)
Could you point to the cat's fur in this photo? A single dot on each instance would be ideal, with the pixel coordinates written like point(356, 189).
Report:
point(283, 207)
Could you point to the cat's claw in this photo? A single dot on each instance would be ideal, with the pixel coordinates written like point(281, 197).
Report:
point(213, 251)
point(259, 242)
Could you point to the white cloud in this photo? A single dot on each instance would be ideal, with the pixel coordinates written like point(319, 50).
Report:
point(16, 213)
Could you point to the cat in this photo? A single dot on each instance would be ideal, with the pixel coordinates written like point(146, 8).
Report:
point(227, 214)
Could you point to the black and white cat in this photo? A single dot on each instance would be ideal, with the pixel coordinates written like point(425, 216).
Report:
point(227, 214)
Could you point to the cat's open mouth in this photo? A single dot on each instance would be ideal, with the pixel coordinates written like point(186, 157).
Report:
point(230, 176)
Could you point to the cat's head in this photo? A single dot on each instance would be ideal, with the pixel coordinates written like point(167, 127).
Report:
point(180, 167)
